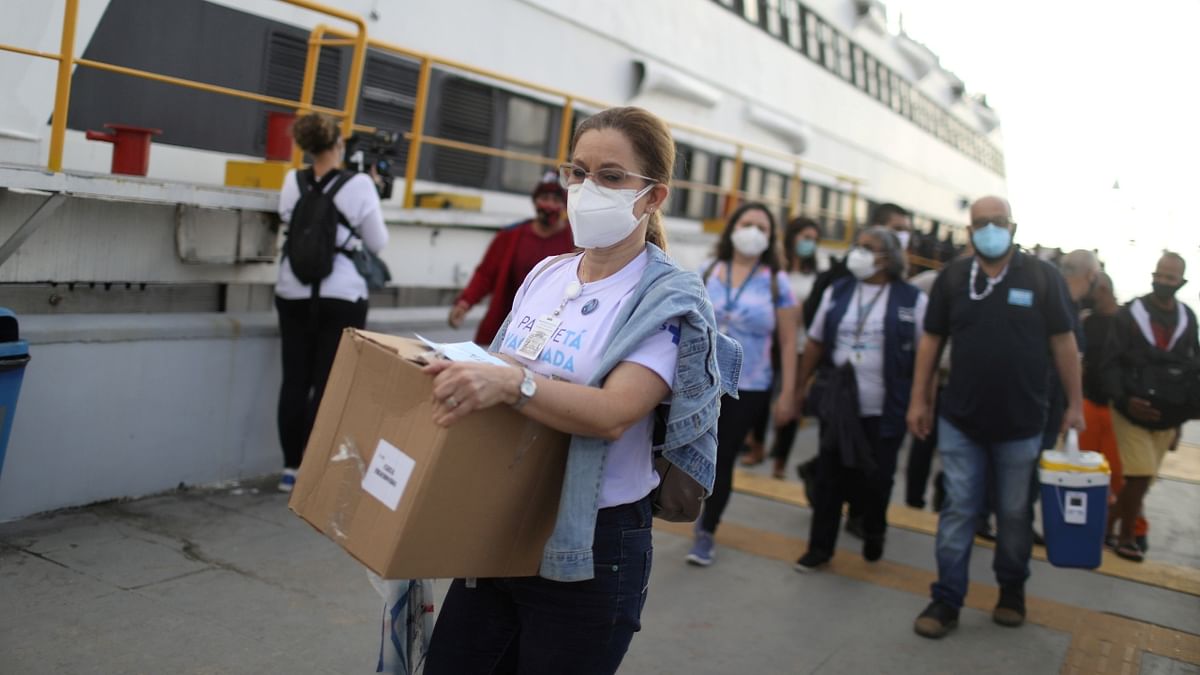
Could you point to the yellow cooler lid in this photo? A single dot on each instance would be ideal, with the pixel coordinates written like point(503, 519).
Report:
point(1071, 458)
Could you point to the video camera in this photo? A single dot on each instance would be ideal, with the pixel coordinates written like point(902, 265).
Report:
point(378, 150)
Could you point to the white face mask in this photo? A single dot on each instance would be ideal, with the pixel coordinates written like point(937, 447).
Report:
point(749, 241)
point(904, 236)
point(861, 263)
point(601, 217)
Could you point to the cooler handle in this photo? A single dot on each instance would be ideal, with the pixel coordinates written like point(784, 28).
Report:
point(1072, 447)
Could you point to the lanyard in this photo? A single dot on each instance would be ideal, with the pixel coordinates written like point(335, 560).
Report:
point(731, 302)
point(862, 315)
point(992, 282)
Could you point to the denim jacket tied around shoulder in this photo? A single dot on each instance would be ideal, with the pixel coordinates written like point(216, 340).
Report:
point(708, 366)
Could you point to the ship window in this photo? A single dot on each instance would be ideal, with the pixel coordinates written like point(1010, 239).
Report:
point(845, 65)
point(773, 18)
point(872, 76)
point(837, 209)
point(813, 34)
point(860, 72)
point(750, 10)
point(677, 203)
point(526, 130)
point(793, 35)
point(388, 95)
point(467, 114)
point(752, 182)
point(286, 56)
point(773, 190)
point(700, 203)
point(885, 85)
point(828, 47)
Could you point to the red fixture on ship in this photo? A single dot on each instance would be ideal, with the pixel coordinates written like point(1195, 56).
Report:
point(279, 135)
point(131, 147)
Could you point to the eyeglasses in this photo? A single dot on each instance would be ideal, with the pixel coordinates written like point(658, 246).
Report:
point(609, 177)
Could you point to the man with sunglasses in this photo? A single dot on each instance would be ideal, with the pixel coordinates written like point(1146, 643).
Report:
point(1009, 320)
point(512, 254)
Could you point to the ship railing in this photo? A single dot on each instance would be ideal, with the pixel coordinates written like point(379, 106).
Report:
point(358, 41)
point(67, 59)
point(727, 192)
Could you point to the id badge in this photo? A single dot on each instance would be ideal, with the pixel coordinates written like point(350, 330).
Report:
point(543, 329)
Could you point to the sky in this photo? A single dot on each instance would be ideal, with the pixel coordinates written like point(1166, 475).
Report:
point(1089, 94)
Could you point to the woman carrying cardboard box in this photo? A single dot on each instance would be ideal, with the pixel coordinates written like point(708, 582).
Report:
point(598, 340)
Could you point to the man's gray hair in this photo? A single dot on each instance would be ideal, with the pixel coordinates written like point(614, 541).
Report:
point(1079, 262)
point(896, 262)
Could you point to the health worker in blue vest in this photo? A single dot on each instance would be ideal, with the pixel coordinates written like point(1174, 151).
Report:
point(864, 335)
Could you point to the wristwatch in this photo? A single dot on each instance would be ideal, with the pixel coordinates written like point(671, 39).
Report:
point(528, 389)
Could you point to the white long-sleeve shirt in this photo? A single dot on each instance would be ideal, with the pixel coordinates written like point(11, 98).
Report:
point(359, 203)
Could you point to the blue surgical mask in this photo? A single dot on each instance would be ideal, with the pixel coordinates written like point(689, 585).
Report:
point(992, 241)
point(806, 247)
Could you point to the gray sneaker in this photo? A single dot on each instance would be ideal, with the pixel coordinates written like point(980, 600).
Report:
point(702, 549)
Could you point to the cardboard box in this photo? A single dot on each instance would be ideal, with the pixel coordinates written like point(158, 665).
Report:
point(410, 499)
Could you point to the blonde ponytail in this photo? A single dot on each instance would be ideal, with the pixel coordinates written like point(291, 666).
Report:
point(655, 232)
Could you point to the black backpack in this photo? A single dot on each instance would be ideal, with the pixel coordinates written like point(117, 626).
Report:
point(312, 234)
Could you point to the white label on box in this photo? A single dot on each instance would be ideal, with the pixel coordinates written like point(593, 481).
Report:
point(1075, 509)
point(388, 474)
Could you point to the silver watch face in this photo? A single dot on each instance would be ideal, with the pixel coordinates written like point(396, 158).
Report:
point(528, 388)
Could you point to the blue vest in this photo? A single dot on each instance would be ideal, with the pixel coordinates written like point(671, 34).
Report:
point(899, 346)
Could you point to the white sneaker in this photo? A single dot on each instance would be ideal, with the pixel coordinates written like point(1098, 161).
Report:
point(287, 481)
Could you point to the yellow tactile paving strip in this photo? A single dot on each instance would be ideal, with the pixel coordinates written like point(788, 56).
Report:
point(1100, 643)
point(1183, 464)
point(1173, 577)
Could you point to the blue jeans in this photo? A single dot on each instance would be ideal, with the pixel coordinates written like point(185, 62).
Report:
point(534, 625)
point(968, 466)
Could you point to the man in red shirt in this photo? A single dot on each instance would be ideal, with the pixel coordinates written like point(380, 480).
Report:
point(512, 254)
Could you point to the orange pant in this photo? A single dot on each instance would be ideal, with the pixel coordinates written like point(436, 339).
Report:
point(1099, 436)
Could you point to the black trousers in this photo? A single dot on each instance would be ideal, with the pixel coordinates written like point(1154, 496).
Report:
point(837, 484)
point(737, 417)
point(308, 344)
point(785, 437)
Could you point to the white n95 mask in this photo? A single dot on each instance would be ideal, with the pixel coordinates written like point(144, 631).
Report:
point(861, 263)
point(601, 217)
point(749, 241)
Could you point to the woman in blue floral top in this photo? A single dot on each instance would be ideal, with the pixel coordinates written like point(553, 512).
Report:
point(752, 300)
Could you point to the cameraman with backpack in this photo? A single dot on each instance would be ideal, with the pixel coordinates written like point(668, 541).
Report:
point(330, 214)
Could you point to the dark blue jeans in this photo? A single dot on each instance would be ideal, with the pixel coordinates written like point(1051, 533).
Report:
point(969, 466)
point(531, 625)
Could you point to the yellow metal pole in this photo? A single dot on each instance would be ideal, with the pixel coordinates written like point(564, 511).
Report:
point(794, 197)
point(731, 200)
point(852, 219)
point(62, 91)
point(418, 129)
point(564, 131)
point(309, 84)
point(354, 86)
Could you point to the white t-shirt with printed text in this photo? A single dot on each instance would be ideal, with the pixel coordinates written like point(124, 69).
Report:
point(866, 350)
point(575, 351)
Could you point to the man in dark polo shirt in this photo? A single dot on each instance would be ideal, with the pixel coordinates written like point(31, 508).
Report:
point(1008, 318)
